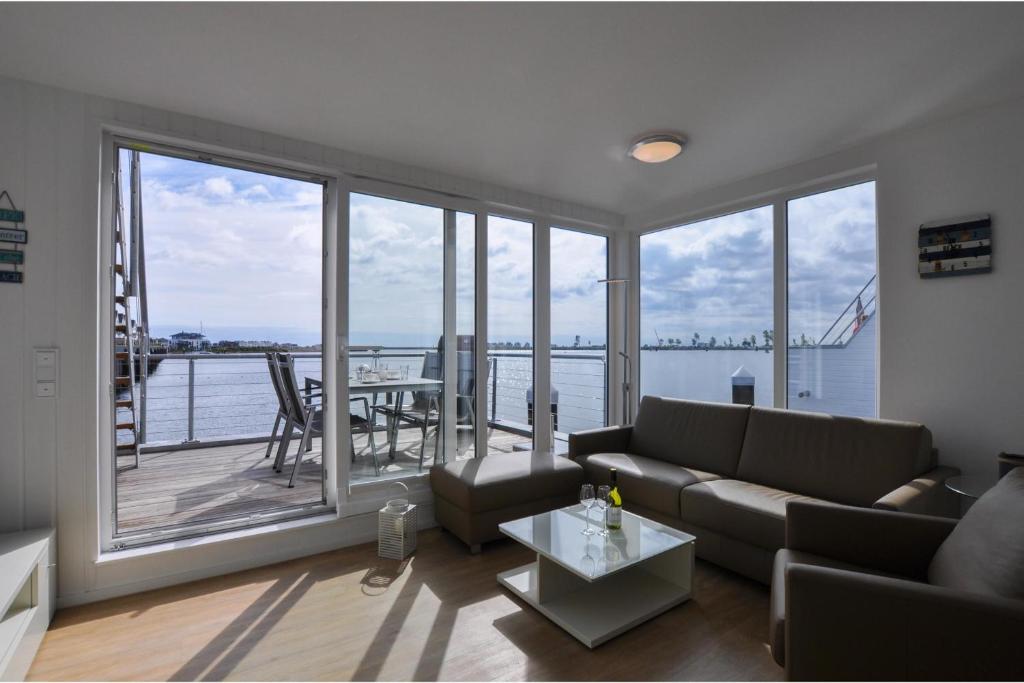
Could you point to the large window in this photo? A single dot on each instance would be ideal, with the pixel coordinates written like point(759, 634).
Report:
point(412, 325)
point(833, 302)
point(711, 299)
point(706, 310)
point(579, 331)
point(396, 329)
point(215, 265)
point(510, 334)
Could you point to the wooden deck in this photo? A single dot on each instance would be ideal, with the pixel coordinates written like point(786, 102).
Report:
point(209, 484)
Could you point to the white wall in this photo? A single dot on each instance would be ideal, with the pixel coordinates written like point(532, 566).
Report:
point(951, 349)
point(49, 162)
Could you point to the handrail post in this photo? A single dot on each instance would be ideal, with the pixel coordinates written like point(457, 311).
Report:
point(191, 399)
point(604, 398)
point(494, 389)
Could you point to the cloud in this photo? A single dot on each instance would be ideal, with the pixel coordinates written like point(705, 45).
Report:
point(715, 277)
point(219, 186)
point(229, 247)
point(258, 191)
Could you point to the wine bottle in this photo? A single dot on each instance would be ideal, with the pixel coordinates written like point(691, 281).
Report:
point(613, 513)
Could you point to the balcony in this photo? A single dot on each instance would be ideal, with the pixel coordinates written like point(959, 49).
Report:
point(204, 433)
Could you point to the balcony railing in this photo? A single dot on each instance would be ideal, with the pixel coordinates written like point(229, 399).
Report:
point(211, 398)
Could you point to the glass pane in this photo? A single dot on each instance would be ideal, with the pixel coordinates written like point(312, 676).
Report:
point(224, 266)
point(706, 329)
point(579, 331)
point(396, 314)
point(832, 302)
point(509, 334)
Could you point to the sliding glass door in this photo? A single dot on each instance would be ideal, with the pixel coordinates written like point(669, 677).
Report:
point(579, 332)
point(412, 333)
point(396, 329)
point(510, 348)
point(216, 264)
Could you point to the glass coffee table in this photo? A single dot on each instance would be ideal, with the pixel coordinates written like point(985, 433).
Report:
point(597, 587)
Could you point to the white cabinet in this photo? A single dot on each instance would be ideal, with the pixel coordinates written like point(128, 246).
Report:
point(28, 593)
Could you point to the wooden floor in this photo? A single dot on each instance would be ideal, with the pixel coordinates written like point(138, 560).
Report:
point(207, 484)
point(441, 615)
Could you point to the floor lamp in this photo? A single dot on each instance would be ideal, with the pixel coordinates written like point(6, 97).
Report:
point(627, 406)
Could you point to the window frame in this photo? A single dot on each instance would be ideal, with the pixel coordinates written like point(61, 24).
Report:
point(112, 141)
point(361, 497)
point(777, 199)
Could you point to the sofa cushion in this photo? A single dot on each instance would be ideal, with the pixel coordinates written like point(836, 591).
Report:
point(848, 460)
point(505, 479)
point(985, 552)
point(746, 512)
point(707, 436)
point(655, 484)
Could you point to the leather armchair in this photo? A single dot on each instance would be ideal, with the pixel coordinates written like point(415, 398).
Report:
point(851, 601)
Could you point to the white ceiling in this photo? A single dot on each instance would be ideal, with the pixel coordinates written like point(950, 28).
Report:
point(539, 97)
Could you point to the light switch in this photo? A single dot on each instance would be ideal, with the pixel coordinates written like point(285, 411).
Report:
point(46, 362)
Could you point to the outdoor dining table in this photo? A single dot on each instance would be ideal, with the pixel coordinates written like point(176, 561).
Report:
point(388, 387)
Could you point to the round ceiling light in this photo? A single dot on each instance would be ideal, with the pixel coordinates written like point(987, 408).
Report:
point(657, 147)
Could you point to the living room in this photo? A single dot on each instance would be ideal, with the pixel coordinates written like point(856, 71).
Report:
point(745, 248)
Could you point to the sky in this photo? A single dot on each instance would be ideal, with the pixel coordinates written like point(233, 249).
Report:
point(240, 254)
point(234, 251)
point(714, 277)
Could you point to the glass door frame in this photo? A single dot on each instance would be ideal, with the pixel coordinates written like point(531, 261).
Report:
point(363, 497)
point(114, 138)
point(779, 201)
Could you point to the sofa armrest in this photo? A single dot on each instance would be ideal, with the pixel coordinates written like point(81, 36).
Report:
point(844, 625)
point(926, 495)
point(891, 542)
point(604, 440)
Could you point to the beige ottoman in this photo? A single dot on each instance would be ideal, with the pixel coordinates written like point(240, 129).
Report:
point(471, 497)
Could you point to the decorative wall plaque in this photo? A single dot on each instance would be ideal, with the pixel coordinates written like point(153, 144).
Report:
point(959, 247)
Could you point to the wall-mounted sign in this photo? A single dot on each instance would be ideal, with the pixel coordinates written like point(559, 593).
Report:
point(12, 215)
point(16, 235)
point(11, 235)
point(12, 256)
point(959, 247)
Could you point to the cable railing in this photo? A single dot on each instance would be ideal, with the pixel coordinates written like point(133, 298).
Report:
point(856, 313)
point(220, 398)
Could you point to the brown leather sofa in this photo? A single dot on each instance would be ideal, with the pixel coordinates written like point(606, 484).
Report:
point(726, 472)
point(875, 595)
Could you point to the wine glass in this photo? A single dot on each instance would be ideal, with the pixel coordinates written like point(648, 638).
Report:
point(588, 564)
point(601, 501)
point(587, 499)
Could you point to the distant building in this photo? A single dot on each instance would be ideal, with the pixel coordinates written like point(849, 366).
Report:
point(189, 342)
point(250, 344)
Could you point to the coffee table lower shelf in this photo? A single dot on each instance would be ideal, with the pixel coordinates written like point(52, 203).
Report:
point(594, 612)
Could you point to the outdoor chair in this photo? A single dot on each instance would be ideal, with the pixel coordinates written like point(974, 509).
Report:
point(305, 414)
point(424, 412)
point(282, 402)
point(426, 408)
